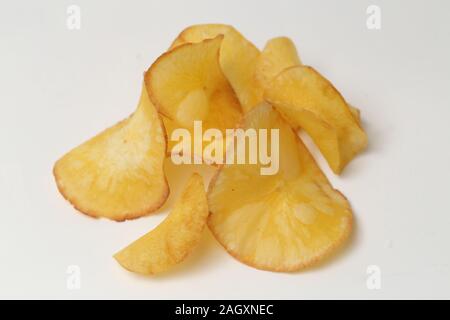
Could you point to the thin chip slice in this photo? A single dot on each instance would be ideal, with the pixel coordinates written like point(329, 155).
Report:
point(309, 101)
point(356, 113)
point(282, 222)
point(187, 85)
point(118, 174)
point(238, 58)
point(278, 54)
point(174, 239)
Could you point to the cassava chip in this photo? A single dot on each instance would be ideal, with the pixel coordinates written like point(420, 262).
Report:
point(174, 239)
point(309, 101)
point(187, 85)
point(356, 113)
point(280, 222)
point(118, 174)
point(278, 54)
point(238, 58)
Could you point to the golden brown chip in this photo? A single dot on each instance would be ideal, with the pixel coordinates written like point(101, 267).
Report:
point(309, 101)
point(278, 54)
point(118, 174)
point(281, 222)
point(187, 85)
point(174, 239)
point(238, 58)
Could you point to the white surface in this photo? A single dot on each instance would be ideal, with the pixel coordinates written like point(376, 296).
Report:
point(60, 87)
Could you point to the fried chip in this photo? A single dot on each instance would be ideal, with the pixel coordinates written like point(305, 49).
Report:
point(238, 58)
point(309, 101)
point(187, 85)
point(118, 174)
point(282, 222)
point(174, 239)
point(278, 54)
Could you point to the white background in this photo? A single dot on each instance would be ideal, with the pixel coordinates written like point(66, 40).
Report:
point(59, 87)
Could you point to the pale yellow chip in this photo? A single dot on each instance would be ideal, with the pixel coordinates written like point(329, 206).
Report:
point(280, 222)
point(118, 174)
point(174, 239)
point(238, 58)
point(309, 101)
point(278, 54)
point(187, 85)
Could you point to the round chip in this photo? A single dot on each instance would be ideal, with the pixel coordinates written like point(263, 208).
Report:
point(280, 222)
point(118, 174)
point(174, 239)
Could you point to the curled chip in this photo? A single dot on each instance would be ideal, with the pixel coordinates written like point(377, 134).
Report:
point(174, 239)
point(238, 58)
point(118, 174)
point(356, 113)
point(309, 101)
point(187, 84)
point(280, 222)
point(278, 54)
